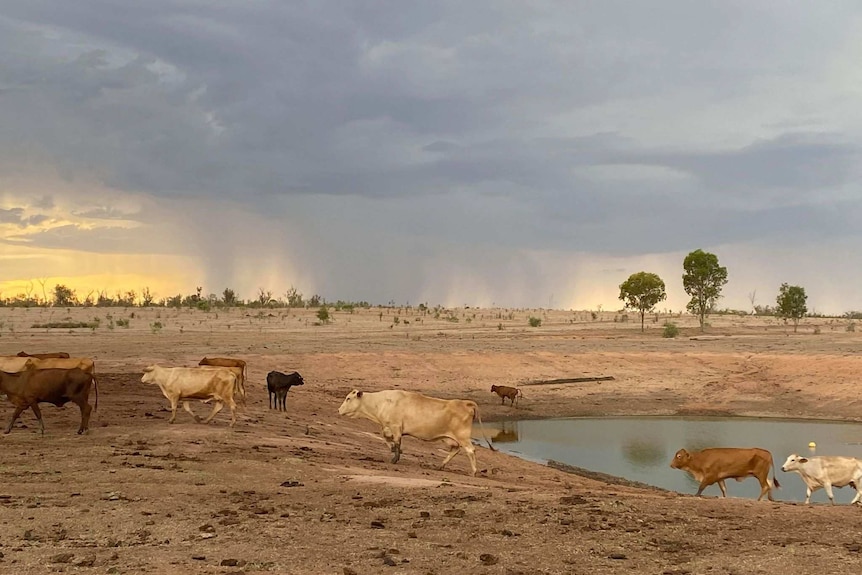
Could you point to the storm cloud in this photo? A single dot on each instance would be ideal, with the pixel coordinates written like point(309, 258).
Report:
point(447, 152)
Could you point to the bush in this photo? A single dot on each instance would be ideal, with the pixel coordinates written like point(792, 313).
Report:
point(535, 321)
point(156, 326)
point(670, 330)
point(851, 326)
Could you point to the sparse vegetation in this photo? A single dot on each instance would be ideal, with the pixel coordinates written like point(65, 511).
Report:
point(66, 325)
point(535, 321)
point(670, 330)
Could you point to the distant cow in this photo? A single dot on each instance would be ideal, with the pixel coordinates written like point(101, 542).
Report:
point(504, 391)
point(230, 362)
point(278, 384)
point(402, 413)
point(204, 383)
point(827, 472)
point(31, 387)
point(713, 465)
point(56, 354)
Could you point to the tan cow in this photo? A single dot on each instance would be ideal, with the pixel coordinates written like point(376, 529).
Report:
point(15, 364)
point(230, 362)
point(401, 413)
point(204, 383)
point(504, 391)
point(826, 471)
point(716, 464)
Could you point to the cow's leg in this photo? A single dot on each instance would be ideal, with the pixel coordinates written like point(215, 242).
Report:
point(85, 416)
point(15, 414)
point(807, 495)
point(270, 399)
point(723, 487)
point(703, 485)
point(502, 400)
point(828, 488)
point(217, 405)
point(454, 448)
point(471, 455)
point(38, 413)
point(232, 406)
point(393, 443)
point(188, 408)
point(856, 486)
point(282, 399)
point(765, 489)
point(174, 401)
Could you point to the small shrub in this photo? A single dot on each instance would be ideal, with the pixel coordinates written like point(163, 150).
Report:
point(65, 325)
point(323, 314)
point(535, 321)
point(123, 322)
point(156, 326)
point(500, 326)
point(851, 326)
point(670, 330)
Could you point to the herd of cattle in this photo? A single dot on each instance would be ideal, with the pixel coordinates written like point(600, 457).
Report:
point(30, 379)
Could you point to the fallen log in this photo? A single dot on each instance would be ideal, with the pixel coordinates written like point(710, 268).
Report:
point(570, 380)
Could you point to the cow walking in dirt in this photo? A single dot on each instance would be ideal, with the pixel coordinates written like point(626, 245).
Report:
point(30, 387)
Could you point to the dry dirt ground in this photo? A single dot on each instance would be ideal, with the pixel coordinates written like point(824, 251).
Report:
point(307, 492)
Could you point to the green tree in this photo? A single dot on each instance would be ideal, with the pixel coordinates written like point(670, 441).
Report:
point(791, 304)
point(642, 291)
point(229, 297)
point(64, 296)
point(702, 280)
point(323, 314)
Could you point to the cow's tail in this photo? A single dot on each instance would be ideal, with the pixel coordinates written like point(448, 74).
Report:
point(96, 386)
point(482, 427)
point(774, 478)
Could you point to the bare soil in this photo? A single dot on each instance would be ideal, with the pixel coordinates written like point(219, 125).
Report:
point(308, 492)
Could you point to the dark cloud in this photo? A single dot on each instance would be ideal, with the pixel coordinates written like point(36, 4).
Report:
point(614, 128)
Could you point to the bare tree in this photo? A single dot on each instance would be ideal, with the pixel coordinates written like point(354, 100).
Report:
point(752, 297)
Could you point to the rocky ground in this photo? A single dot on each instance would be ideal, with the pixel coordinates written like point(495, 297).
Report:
point(307, 492)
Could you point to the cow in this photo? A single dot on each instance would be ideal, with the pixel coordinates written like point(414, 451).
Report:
point(184, 383)
point(504, 391)
point(30, 387)
point(278, 384)
point(229, 362)
point(15, 364)
point(401, 413)
point(716, 464)
point(56, 354)
point(826, 471)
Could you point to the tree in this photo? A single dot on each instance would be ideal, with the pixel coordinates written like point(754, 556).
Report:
point(323, 314)
point(229, 297)
point(791, 304)
point(702, 280)
point(146, 297)
point(64, 296)
point(642, 291)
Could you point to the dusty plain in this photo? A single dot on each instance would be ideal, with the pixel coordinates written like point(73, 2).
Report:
point(308, 492)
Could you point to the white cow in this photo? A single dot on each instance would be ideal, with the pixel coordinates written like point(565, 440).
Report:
point(401, 413)
point(826, 471)
point(204, 383)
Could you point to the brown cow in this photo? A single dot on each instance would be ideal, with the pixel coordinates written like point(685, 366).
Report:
point(229, 362)
point(504, 391)
point(31, 387)
point(716, 464)
point(56, 354)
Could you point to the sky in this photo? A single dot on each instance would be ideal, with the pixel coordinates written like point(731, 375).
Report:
point(483, 153)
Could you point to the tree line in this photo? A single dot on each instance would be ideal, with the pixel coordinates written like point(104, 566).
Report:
point(703, 280)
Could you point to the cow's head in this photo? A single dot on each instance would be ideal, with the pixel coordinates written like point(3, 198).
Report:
point(794, 462)
point(149, 374)
point(297, 379)
point(350, 404)
point(681, 459)
point(493, 388)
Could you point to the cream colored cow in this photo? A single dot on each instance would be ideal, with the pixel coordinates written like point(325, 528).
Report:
point(401, 413)
point(204, 383)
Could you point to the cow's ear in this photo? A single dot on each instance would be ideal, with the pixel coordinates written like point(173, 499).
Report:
point(803, 460)
point(358, 394)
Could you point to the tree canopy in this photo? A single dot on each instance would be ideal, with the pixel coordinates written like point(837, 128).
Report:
point(703, 280)
point(791, 303)
point(642, 291)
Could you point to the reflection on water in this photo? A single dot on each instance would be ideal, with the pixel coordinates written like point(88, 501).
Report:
point(640, 448)
point(504, 432)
